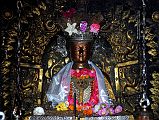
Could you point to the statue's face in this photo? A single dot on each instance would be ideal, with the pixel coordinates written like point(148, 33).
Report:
point(80, 51)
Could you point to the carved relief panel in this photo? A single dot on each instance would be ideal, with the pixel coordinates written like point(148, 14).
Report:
point(40, 59)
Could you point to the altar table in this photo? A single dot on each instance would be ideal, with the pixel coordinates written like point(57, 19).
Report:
point(125, 117)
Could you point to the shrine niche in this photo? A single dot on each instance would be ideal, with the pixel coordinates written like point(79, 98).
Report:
point(36, 47)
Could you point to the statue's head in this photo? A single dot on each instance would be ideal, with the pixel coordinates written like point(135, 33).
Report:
point(81, 49)
point(79, 43)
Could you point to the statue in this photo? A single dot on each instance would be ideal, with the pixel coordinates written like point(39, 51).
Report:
point(80, 84)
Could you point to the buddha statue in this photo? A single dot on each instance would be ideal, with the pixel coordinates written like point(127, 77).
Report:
point(80, 76)
point(80, 53)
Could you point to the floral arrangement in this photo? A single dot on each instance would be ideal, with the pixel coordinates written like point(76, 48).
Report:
point(78, 23)
point(71, 28)
point(103, 109)
point(92, 106)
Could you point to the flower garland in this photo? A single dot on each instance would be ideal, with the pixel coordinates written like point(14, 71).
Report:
point(92, 106)
point(86, 107)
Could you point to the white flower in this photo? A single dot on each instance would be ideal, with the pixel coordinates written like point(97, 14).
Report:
point(71, 28)
point(38, 111)
point(96, 108)
point(3, 115)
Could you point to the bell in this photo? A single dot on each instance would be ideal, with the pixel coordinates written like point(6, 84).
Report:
point(144, 103)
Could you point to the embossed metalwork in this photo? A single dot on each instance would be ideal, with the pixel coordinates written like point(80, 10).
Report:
point(83, 94)
point(154, 90)
point(8, 86)
point(151, 43)
point(38, 33)
point(155, 16)
point(39, 61)
point(126, 117)
point(127, 84)
point(31, 87)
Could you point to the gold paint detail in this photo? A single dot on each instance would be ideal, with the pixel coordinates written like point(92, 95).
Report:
point(30, 66)
point(39, 102)
point(152, 44)
point(81, 95)
point(42, 6)
point(5, 71)
point(131, 117)
point(149, 36)
point(7, 14)
point(110, 90)
point(40, 80)
point(155, 16)
point(35, 43)
point(52, 27)
point(123, 44)
point(126, 83)
point(153, 52)
point(117, 83)
point(36, 11)
point(127, 63)
point(27, 117)
point(155, 92)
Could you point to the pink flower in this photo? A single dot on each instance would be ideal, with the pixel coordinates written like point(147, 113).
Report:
point(107, 105)
point(73, 73)
point(118, 109)
point(92, 73)
point(103, 112)
point(111, 111)
point(94, 28)
point(100, 112)
point(70, 100)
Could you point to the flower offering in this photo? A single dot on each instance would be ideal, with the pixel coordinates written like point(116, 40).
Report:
point(93, 105)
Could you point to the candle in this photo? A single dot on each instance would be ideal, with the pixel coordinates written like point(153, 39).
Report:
point(75, 104)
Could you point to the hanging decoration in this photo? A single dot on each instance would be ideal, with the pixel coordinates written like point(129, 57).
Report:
point(144, 101)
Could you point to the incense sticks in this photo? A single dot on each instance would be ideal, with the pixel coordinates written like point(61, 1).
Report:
point(74, 104)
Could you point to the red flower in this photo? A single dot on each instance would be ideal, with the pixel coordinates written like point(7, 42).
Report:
point(69, 13)
point(85, 71)
point(78, 73)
